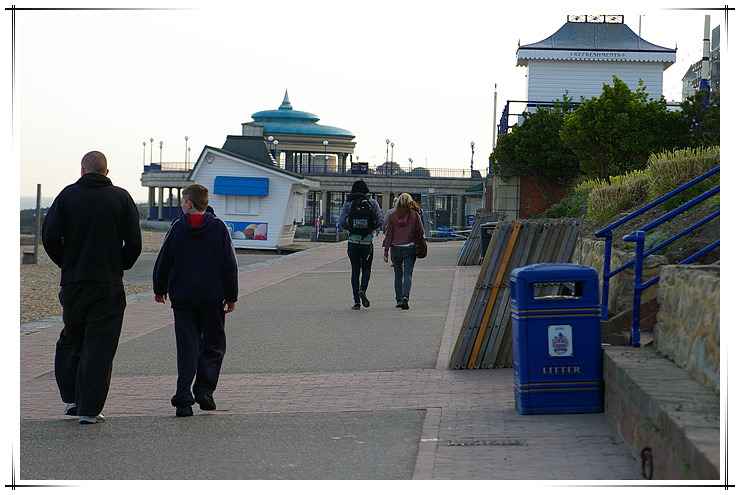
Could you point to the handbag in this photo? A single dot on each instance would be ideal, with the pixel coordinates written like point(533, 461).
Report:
point(420, 244)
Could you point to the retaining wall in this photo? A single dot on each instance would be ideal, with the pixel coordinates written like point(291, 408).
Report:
point(687, 329)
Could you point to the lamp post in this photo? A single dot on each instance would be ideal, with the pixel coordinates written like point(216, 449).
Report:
point(186, 152)
point(188, 155)
point(472, 152)
point(387, 141)
point(143, 158)
point(151, 149)
point(160, 152)
point(276, 153)
point(325, 143)
point(271, 139)
point(392, 145)
point(411, 165)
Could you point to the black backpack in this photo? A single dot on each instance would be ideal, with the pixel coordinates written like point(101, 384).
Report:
point(361, 218)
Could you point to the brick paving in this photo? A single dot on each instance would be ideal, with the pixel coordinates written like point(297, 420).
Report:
point(471, 429)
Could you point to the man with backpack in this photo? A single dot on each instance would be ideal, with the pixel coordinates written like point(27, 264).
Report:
point(360, 216)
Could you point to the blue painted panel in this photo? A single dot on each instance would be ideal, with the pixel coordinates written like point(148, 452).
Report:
point(241, 186)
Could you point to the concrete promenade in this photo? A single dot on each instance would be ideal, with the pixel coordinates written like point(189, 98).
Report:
point(311, 389)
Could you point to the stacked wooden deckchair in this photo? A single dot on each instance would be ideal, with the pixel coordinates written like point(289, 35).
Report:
point(485, 339)
point(471, 254)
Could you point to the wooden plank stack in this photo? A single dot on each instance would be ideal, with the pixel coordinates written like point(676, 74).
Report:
point(470, 254)
point(485, 339)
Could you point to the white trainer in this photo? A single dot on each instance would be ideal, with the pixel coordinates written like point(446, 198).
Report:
point(91, 420)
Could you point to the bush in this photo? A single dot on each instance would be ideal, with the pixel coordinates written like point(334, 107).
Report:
point(604, 198)
point(670, 170)
point(621, 193)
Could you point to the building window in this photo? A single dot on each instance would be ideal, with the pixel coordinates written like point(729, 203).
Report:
point(244, 205)
point(444, 208)
point(313, 207)
point(336, 200)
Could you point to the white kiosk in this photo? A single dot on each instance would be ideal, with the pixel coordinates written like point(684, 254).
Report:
point(261, 204)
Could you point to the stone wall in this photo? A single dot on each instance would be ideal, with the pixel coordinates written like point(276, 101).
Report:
point(687, 331)
point(591, 253)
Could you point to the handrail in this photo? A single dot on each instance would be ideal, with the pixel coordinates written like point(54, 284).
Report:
point(503, 126)
point(638, 237)
point(679, 190)
point(168, 166)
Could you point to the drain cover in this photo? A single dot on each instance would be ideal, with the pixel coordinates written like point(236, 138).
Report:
point(472, 442)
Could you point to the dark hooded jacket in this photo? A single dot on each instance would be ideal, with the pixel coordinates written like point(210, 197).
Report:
point(344, 213)
point(197, 266)
point(92, 232)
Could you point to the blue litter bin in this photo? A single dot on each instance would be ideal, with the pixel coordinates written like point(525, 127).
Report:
point(556, 329)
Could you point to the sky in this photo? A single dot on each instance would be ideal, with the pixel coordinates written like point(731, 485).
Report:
point(421, 74)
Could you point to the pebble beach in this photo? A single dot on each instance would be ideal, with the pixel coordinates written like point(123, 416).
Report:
point(39, 283)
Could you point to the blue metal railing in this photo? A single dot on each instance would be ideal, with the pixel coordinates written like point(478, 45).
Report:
point(503, 125)
point(638, 237)
point(168, 166)
point(331, 169)
point(386, 170)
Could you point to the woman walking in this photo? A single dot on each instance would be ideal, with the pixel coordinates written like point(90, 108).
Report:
point(399, 240)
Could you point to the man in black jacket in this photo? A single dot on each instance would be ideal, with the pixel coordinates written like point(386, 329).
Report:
point(92, 233)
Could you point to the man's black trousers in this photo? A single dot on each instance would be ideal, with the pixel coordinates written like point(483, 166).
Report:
point(93, 315)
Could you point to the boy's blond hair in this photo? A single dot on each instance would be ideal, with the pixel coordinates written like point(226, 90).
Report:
point(198, 195)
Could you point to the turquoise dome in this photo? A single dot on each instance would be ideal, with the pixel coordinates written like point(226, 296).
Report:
point(285, 120)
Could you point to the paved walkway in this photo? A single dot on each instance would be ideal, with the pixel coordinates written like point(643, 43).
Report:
point(313, 390)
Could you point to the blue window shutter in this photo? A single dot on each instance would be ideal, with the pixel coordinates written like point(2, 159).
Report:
point(241, 186)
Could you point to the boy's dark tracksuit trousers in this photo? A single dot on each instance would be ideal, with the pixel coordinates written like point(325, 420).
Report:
point(201, 344)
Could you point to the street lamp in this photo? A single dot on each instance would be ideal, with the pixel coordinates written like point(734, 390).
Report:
point(160, 152)
point(186, 152)
point(392, 145)
point(271, 139)
point(151, 149)
point(143, 158)
point(472, 152)
point(411, 165)
point(325, 143)
point(188, 155)
point(276, 152)
point(387, 141)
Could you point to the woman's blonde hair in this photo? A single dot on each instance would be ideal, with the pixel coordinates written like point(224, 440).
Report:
point(405, 205)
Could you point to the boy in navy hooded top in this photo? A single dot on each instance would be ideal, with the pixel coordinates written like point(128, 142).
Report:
point(197, 267)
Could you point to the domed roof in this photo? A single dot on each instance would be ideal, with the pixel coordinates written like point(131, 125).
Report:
point(285, 120)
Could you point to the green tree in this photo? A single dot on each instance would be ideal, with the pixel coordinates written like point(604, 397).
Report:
point(701, 113)
point(535, 148)
point(616, 132)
